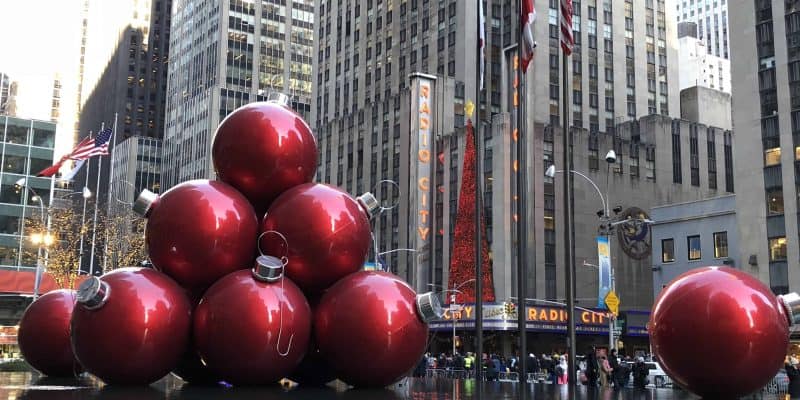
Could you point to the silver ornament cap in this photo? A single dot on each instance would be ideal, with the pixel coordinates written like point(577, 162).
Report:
point(369, 203)
point(278, 98)
point(429, 307)
point(268, 269)
point(791, 303)
point(93, 293)
point(144, 203)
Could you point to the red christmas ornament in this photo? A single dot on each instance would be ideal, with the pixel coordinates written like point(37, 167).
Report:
point(43, 335)
point(198, 232)
point(253, 327)
point(130, 326)
point(711, 326)
point(372, 327)
point(327, 232)
point(462, 261)
point(264, 149)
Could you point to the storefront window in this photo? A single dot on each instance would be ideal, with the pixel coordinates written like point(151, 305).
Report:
point(14, 165)
point(16, 134)
point(8, 255)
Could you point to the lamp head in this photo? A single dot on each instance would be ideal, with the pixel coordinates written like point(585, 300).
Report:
point(87, 193)
point(617, 209)
point(20, 183)
point(600, 213)
point(611, 157)
point(551, 171)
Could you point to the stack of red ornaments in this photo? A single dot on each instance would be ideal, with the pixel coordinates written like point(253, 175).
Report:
point(257, 277)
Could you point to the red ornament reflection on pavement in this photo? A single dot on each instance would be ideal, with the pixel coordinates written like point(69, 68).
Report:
point(719, 332)
point(327, 231)
point(44, 334)
point(263, 149)
point(368, 328)
point(130, 326)
point(200, 231)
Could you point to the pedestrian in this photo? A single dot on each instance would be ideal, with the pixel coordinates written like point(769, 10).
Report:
point(616, 369)
point(794, 377)
point(562, 371)
point(605, 371)
point(491, 369)
point(533, 364)
point(591, 367)
point(640, 373)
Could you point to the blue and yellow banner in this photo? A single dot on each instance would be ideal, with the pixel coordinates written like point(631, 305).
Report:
point(604, 269)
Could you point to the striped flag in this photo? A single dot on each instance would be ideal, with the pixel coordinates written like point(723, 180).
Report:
point(482, 40)
point(88, 147)
point(92, 147)
point(528, 15)
point(567, 41)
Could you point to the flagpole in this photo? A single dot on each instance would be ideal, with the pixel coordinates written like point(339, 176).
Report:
point(566, 162)
point(521, 222)
point(83, 215)
point(478, 201)
point(110, 188)
point(96, 204)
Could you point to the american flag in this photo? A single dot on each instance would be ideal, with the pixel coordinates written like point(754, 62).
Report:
point(567, 41)
point(527, 16)
point(88, 147)
point(98, 146)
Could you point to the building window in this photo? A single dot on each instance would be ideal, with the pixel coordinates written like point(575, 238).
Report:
point(720, 244)
point(676, 152)
point(777, 249)
point(668, 250)
point(775, 201)
point(772, 157)
point(693, 244)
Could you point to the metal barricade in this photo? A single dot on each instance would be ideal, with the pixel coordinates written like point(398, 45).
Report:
point(508, 377)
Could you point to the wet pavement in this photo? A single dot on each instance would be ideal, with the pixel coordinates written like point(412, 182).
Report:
point(22, 385)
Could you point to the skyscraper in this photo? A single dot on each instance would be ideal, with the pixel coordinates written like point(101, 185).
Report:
point(711, 17)
point(226, 54)
point(123, 68)
point(366, 50)
point(766, 89)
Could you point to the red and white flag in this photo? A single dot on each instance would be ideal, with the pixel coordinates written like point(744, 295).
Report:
point(88, 147)
point(528, 15)
point(567, 41)
point(482, 40)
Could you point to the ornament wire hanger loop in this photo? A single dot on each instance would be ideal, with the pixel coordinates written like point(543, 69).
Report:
point(285, 257)
point(391, 183)
point(280, 326)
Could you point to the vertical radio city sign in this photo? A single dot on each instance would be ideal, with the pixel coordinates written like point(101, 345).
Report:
point(420, 175)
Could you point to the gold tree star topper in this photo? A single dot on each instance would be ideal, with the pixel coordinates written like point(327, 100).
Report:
point(469, 108)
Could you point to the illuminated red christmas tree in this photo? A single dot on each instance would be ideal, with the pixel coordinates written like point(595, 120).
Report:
point(462, 258)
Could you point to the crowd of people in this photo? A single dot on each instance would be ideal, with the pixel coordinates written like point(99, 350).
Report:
point(593, 369)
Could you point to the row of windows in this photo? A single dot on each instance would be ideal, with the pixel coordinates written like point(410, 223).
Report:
point(694, 247)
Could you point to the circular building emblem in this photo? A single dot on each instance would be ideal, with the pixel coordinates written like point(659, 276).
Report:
point(634, 235)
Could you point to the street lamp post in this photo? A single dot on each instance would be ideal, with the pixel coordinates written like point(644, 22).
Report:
point(453, 306)
point(611, 158)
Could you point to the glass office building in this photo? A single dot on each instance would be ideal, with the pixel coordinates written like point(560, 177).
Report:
point(27, 148)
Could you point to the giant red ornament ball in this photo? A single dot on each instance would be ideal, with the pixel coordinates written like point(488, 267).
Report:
point(44, 334)
point(719, 332)
point(238, 332)
point(327, 231)
point(130, 326)
point(199, 231)
point(264, 149)
point(368, 328)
